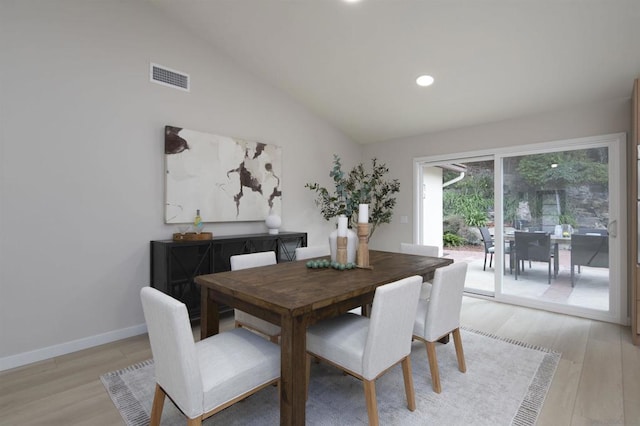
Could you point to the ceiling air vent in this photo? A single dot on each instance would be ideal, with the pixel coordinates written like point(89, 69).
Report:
point(168, 77)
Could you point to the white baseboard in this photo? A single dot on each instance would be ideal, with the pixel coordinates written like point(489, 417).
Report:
point(25, 358)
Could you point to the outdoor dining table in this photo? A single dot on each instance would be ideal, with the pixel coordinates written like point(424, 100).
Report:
point(509, 237)
point(294, 296)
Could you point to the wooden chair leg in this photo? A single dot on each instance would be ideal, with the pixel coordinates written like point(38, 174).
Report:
point(408, 383)
point(372, 404)
point(433, 366)
point(457, 341)
point(194, 422)
point(156, 407)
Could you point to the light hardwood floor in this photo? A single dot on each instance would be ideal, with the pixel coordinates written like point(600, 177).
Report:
point(597, 381)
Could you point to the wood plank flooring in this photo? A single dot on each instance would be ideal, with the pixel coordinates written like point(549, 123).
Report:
point(597, 381)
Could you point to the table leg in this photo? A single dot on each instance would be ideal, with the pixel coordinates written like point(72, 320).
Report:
point(293, 347)
point(209, 315)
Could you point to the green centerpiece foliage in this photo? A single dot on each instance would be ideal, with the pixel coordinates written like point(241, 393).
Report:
point(360, 186)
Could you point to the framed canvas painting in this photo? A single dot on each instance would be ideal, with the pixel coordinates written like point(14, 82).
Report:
point(227, 179)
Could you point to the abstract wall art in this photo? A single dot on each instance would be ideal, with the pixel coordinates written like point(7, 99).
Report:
point(227, 179)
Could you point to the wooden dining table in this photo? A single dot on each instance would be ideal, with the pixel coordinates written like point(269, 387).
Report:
point(294, 296)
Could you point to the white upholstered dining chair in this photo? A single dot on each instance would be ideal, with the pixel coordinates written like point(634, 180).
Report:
point(243, 319)
point(367, 347)
point(439, 316)
point(303, 253)
point(421, 250)
point(202, 378)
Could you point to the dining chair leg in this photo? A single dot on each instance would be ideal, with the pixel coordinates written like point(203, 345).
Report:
point(457, 341)
point(433, 366)
point(372, 404)
point(194, 422)
point(408, 383)
point(156, 407)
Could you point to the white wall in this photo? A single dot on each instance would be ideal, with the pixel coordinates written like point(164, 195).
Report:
point(432, 211)
point(81, 155)
point(580, 121)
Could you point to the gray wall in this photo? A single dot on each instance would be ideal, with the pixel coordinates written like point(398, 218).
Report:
point(581, 121)
point(81, 156)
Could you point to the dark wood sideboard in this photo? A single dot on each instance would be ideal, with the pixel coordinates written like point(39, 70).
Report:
point(175, 264)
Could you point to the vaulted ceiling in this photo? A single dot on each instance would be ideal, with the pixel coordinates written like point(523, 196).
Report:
point(355, 64)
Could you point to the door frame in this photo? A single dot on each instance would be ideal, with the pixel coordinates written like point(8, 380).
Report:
point(616, 144)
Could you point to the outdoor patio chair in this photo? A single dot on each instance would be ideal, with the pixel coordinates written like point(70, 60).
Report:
point(589, 250)
point(489, 247)
point(536, 247)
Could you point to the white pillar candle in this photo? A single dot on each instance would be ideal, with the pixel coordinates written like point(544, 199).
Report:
point(342, 226)
point(363, 213)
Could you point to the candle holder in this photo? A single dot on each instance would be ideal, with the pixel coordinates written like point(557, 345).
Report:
point(363, 245)
point(341, 250)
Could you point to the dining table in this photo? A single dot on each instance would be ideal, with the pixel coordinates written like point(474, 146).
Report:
point(294, 296)
point(557, 240)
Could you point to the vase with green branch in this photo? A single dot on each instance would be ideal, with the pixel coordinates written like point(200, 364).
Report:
point(359, 186)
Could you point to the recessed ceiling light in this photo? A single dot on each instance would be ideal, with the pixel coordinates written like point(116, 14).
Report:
point(351, 1)
point(424, 80)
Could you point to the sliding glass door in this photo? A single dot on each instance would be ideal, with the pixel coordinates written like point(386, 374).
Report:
point(538, 225)
point(555, 222)
point(457, 203)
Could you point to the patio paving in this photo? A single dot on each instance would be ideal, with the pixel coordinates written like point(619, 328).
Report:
point(591, 288)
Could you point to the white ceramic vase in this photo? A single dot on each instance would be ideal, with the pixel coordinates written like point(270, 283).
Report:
point(352, 245)
point(273, 222)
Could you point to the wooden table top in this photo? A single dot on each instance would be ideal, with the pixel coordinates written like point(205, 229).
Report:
point(271, 286)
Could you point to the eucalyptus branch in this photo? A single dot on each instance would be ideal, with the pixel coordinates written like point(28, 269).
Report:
point(358, 187)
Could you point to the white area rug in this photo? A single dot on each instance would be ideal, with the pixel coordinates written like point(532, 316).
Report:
point(505, 383)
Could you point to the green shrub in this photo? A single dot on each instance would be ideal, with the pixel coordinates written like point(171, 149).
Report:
point(476, 218)
point(452, 240)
